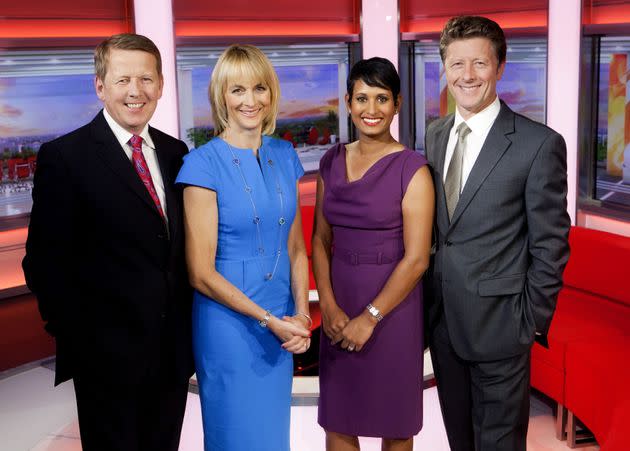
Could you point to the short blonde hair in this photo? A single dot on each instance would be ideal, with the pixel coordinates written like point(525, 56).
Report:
point(239, 61)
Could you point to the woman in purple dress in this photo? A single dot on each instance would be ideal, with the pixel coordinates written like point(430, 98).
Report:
point(371, 245)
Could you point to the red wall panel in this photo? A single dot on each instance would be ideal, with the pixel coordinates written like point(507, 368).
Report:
point(427, 16)
point(66, 9)
point(265, 10)
point(64, 18)
point(605, 12)
point(266, 18)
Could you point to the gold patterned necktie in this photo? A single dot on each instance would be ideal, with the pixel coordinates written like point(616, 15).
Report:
point(453, 181)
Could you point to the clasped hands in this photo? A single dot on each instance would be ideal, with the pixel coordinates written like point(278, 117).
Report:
point(351, 334)
point(293, 333)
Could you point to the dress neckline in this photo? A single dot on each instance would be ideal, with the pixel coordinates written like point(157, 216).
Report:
point(263, 141)
point(369, 170)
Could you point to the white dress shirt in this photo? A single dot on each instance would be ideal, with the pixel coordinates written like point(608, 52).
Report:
point(479, 125)
point(148, 150)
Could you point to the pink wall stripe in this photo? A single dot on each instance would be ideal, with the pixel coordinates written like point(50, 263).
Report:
point(379, 35)
point(563, 77)
point(154, 19)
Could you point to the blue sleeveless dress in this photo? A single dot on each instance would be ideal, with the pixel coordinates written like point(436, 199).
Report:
point(244, 375)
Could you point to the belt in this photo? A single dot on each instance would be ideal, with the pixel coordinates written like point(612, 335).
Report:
point(365, 258)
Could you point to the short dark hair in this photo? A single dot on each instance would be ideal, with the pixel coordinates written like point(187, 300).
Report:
point(467, 27)
point(375, 72)
point(124, 41)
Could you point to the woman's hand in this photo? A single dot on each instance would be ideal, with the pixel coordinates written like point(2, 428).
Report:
point(287, 330)
point(297, 344)
point(300, 320)
point(356, 333)
point(333, 320)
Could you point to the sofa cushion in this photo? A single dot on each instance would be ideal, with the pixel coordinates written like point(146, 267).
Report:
point(581, 316)
point(598, 263)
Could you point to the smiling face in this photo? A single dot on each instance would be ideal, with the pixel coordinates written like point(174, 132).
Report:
point(131, 88)
point(472, 71)
point(247, 102)
point(372, 109)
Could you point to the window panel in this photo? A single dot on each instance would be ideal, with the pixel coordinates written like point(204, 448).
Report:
point(522, 87)
point(612, 151)
point(312, 83)
point(43, 95)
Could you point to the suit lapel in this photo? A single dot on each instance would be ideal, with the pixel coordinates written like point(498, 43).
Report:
point(493, 149)
point(109, 150)
point(168, 178)
point(441, 141)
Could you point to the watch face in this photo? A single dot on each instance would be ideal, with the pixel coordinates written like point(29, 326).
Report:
point(374, 312)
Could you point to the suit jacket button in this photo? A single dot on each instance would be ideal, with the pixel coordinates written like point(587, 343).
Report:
point(448, 243)
point(161, 236)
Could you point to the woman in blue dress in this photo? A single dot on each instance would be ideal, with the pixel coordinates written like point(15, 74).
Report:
point(247, 260)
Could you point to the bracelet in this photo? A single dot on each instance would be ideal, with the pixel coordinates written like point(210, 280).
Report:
point(374, 312)
point(310, 320)
point(263, 322)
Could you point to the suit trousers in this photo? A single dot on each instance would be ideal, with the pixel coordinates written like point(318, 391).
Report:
point(147, 417)
point(485, 405)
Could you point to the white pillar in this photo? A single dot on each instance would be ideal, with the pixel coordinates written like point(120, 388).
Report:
point(563, 84)
point(154, 19)
point(380, 33)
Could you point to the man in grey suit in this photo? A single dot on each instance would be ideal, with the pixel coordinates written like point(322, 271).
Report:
point(501, 244)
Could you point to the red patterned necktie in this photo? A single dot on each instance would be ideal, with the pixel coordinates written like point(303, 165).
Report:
point(140, 164)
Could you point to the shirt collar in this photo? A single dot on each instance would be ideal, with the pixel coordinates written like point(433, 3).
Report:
point(482, 121)
point(123, 136)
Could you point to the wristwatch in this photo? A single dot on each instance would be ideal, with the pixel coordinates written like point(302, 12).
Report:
point(263, 322)
point(374, 312)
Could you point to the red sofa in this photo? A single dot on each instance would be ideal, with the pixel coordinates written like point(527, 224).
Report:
point(308, 217)
point(597, 390)
point(592, 319)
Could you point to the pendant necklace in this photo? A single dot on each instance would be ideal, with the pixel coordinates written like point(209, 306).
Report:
point(256, 220)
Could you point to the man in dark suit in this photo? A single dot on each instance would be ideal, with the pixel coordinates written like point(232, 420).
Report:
point(105, 258)
point(501, 244)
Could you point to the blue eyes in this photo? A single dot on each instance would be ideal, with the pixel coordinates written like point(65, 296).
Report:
point(126, 80)
point(242, 90)
point(476, 63)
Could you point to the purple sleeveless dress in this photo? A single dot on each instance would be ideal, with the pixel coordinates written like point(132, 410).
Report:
point(376, 392)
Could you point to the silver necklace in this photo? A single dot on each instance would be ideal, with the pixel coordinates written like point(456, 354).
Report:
point(256, 219)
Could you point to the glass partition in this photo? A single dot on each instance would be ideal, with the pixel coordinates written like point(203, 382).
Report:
point(43, 95)
point(523, 85)
point(312, 83)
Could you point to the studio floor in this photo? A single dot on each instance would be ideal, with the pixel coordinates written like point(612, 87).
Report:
point(36, 416)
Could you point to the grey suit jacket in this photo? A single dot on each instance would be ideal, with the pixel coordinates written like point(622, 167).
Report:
point(498, 264)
